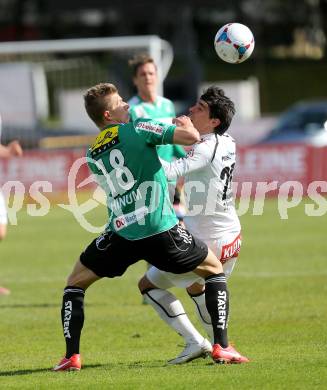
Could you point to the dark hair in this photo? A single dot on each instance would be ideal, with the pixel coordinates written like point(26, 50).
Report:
point(220, 107)
point(139, 60)
point(95, 101)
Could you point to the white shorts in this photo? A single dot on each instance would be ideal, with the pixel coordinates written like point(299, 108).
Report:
point(3, 210)
point(225, 248)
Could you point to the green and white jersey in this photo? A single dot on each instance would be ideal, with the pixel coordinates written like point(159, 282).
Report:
point(161, 110)
point(125, 161)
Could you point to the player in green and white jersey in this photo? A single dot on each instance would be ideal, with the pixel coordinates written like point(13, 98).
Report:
point(147, 103)
point(138, 204)
point(142, 223)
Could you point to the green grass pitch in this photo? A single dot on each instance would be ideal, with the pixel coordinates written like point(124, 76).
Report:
point(278, 311)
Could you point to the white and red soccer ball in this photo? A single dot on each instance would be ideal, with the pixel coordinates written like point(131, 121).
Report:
point(234, 43)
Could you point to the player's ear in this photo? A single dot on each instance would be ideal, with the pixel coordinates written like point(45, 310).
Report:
point(107, 115)
point(215, 122)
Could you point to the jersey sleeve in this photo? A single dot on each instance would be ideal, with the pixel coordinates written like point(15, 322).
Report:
point(133, 111)
point(197, 158)
point(154, 132)
point(133, 114)
point(172, 109)
point(91, 163)
point(179, 151)
point(170, 152)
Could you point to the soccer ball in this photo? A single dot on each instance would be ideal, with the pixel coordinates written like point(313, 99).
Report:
point(234, 43)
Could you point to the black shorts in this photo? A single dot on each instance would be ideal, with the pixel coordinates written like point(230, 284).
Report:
point(174, 250)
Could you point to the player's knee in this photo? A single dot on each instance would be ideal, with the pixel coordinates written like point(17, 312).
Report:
point(195, 289)
point(72, 280)
point(81, 276)
point(204, 272)
point(144, 284)
point(210, 266)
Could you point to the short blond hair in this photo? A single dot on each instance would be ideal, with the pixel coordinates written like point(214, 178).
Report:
point(95, 101)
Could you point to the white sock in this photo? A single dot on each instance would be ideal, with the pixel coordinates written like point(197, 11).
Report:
point(203, 315)
point(171, 310)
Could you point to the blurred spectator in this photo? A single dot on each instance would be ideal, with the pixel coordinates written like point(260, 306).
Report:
point(13, 149)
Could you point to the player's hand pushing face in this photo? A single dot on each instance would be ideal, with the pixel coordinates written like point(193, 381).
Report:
point(182, 120)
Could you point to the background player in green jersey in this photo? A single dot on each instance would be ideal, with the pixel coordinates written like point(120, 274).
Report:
point(142, 223)
point(148, 104)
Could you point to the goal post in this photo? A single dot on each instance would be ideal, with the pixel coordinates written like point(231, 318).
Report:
point(159, 49)
point(54, 73)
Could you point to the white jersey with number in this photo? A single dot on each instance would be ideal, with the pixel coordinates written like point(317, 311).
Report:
point(207, 170)
point(211, 215)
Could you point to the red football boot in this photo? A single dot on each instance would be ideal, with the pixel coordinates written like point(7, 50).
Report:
point(74, 363)
point(227, 355)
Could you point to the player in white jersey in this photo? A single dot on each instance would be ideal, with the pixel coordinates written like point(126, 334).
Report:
point(212, 217)
point(11, 150)
point(207, 170)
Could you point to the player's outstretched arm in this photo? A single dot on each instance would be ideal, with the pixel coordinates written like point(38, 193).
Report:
point(185, 133)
